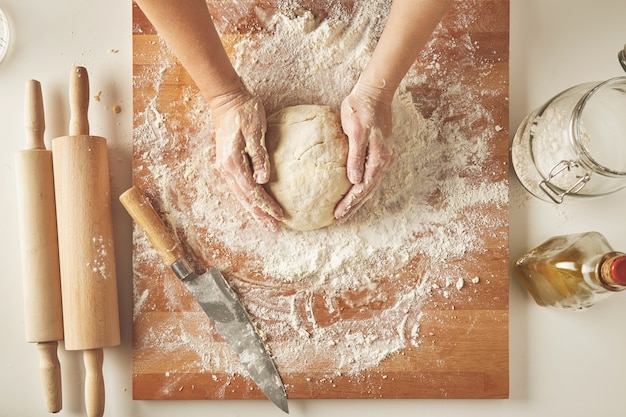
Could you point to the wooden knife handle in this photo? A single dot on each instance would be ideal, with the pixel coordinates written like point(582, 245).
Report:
point(79, 101)
point(150, 222)
point(94, 382)
point(50, 371)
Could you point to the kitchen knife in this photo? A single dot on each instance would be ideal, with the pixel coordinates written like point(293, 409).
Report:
point(216, 298)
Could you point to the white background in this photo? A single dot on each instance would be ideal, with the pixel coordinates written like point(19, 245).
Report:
point(561, 363)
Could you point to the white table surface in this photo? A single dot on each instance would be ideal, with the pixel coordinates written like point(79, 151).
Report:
point(561, 363)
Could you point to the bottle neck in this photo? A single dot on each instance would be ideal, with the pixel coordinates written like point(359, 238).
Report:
point(612, 271)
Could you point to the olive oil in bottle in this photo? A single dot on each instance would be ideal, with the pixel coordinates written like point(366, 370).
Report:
point(572, 272)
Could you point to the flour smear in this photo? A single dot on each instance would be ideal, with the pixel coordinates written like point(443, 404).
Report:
point(339, 296)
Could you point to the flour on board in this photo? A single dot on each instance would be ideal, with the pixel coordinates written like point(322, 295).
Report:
point(298, 286)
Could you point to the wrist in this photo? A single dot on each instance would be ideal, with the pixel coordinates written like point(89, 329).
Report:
point(229, 95)
point(375, 88)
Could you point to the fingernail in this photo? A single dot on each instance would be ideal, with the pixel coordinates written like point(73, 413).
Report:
point(260, 176)
point(354, 176)
point(344, 217)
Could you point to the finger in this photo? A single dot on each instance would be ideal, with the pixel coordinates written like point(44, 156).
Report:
point(350, 203)
point(358, 195)
point(355, 165)
point(380, 156)
point(254, 135)
point(357, 143)
point(254, 194)
point(379, 160)
point(253, 126)
point(265, 219)
point(261, 200)
point(259, 159)
point(232, 160)
point(235, 164)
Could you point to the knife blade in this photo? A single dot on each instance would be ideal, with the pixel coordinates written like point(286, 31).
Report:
point(215, 296)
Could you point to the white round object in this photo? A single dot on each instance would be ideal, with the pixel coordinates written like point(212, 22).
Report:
point(5, 35)
point(308, 152)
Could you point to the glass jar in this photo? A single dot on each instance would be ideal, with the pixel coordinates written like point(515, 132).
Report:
point(575, 144)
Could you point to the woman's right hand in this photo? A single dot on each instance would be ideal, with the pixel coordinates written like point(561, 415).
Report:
point(241, 156)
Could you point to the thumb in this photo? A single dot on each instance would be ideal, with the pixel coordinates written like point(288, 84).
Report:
point(259, 159)
point(357, 143)
point(355, 166)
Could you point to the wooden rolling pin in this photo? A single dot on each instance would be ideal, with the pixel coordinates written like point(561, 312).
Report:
point(43, 316)
point(86, 253)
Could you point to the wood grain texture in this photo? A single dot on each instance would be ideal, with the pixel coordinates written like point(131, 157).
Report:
point(149, 221)
point(88, 278)
point(463, 349)
point(43, 317)
point(43, 314)
point(85, 229)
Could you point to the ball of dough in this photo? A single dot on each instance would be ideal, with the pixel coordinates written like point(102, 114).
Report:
point(308, 152)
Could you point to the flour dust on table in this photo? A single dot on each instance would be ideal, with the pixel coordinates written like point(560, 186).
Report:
point(330, 295)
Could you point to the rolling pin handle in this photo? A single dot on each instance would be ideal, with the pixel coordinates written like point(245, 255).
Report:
point(94, 382)
point(34, 121)
point(50, 371)
point(79, 101)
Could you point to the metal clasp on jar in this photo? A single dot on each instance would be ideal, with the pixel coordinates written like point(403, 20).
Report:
point(557, 194)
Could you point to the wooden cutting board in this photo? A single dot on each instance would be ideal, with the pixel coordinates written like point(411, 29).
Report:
point(450, 340)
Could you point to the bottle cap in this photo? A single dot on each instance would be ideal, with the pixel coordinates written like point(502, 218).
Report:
point(618, 270)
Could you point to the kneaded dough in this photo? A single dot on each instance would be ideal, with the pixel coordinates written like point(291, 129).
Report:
point(308, 152)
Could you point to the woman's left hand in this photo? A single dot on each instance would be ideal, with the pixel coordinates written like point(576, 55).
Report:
point(366, 120)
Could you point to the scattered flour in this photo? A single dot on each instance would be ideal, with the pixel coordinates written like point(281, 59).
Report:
point(101, 264)
point(347, 296)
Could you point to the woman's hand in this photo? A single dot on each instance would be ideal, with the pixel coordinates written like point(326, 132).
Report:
point(366, 112)
point(241, 156)
point(366, 120)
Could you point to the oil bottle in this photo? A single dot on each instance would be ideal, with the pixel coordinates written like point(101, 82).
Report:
point(572, 272)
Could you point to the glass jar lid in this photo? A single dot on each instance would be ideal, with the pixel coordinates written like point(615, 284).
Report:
point(4, 35)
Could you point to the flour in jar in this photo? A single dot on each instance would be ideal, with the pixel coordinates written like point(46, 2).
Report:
point(295, 283)
point(541, 149)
